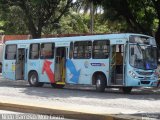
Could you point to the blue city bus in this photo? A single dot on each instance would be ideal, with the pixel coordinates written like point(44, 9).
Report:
point(112, 60)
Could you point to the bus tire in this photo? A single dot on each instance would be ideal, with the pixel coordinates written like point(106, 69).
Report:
point(57, 86)
point(127, 90)
point(33, 80)
point(100, 83)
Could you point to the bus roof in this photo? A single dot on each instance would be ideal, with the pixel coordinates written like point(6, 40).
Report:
point(76, 38)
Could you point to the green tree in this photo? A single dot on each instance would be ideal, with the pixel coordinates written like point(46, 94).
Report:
point(156, 4)
point(38, 14)
point(89, 5)
point(72, 23)
point(84, 5)
point(140, 16)
point(79, 23)
point(1, 27)
point(12, 21)
point(137, 14)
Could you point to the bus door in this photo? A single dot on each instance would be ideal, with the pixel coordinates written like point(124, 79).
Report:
point(60, 65)
point(20, 65)
point(116, 64)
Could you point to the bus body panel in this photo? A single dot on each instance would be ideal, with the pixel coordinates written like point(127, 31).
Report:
point(41, 67)
point(81, 71)
point(146, 78)
point(9, 69)
point(115, 41)
point(46, 69)
point(33, 65)
point(77, 72)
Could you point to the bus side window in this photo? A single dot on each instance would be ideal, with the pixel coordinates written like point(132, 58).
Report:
point(10, 52)
point(34, 51)
point(82, 50)
point(100, 49)
point(47, 51)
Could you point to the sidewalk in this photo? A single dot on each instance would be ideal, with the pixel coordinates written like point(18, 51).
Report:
point(73, 111)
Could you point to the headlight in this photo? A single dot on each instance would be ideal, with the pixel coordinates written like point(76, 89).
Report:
point(132, 74)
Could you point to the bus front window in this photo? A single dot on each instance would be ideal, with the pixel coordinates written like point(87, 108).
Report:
point(151, 57)
point(143, 56)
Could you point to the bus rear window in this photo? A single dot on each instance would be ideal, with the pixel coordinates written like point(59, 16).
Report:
point(34, 51)
point(100, 49)
point(10, 53)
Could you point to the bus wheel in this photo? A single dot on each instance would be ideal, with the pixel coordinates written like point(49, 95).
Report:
point(127, 90)
point(33, 80)
point(100, 83)
point(56, 85)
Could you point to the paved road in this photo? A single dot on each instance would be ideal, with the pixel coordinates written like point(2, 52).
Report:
point(140, 102)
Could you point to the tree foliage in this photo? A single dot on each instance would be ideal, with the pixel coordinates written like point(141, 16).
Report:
point(38, 14)
point(12, 21)
point(71, 23)
point(84, 5)
point(139, 16)
point(38, 17)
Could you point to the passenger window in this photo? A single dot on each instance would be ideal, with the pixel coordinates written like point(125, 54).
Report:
point(100, 49)
point(10, 52)
point(47, 51)
point(82, 50)
point(34, 51)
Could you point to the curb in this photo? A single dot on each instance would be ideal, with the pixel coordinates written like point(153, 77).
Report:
point(65, 113)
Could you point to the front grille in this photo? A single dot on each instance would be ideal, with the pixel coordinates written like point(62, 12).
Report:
point(145, 82)
point(144, 73)
point(144, 78)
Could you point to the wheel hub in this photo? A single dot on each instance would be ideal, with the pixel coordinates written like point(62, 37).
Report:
point(33, 79)
point(98, 82)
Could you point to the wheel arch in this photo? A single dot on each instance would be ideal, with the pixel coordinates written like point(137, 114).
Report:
point(95, 74)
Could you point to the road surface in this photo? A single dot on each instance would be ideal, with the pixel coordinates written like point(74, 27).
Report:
point(141, 102)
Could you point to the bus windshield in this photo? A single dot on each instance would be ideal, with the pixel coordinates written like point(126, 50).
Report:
point(143, 56)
